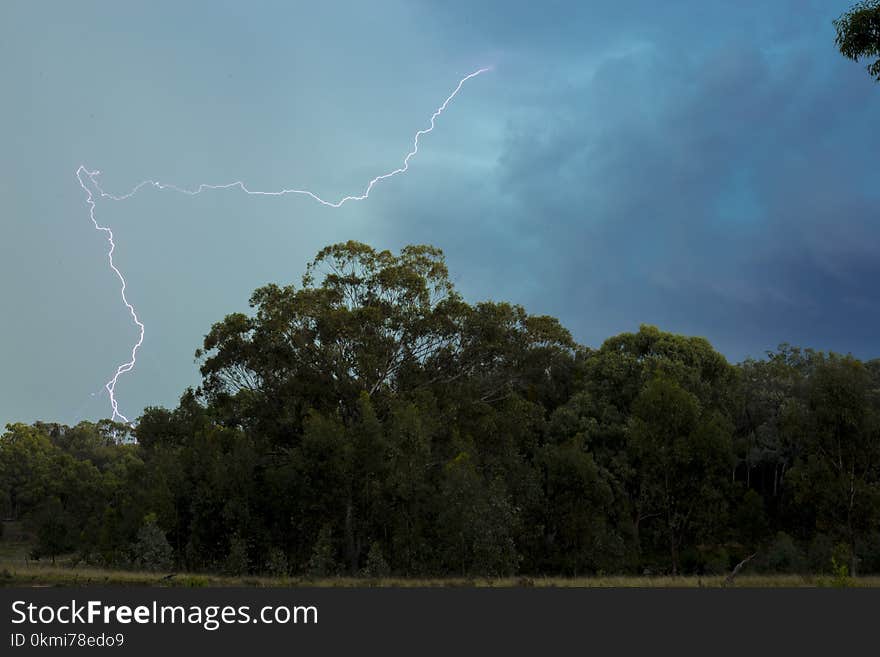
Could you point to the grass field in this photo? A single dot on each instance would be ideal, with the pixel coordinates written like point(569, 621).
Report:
point(16, 573)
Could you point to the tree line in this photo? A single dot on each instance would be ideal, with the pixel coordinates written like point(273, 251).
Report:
point(371, 422)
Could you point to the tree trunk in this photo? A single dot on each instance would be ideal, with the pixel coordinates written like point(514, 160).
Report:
point(853, 559)
point(673, 547)
point(849, 519)
point(637, 519)
point(674, 550)
point(349, 538)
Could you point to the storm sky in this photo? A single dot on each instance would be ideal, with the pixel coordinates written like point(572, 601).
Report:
point(710, 167)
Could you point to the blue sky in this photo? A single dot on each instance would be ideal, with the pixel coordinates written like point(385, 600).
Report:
point(708, 167)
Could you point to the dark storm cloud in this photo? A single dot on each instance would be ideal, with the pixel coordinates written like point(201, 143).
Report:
point(723, 188)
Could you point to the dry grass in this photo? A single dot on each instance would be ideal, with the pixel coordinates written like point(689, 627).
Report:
point(17, 573)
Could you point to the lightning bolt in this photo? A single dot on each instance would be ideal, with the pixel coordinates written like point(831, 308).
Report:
point(82, 173)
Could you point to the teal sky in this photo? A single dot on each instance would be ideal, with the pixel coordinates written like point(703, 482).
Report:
point(709, 168)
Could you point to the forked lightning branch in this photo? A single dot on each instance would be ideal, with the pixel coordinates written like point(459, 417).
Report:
point(89, 181)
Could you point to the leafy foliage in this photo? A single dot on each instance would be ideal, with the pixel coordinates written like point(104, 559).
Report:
point(858, 34)
point(152, 551)
point(371, 422)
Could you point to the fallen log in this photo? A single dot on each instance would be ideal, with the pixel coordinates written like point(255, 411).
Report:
point(729, 579)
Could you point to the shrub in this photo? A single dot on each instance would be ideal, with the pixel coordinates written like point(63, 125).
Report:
point(376, 564)
point(276, 564)
point(819, 553)
point(869, 554)
point(237, 558)
point(840, 559)
point(783, 556)
point(322, 562)
point(151, 550)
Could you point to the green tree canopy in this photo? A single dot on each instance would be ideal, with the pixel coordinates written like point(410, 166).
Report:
point(370, 421)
